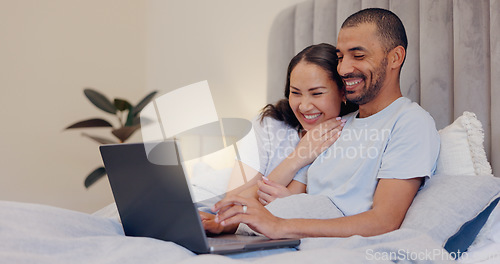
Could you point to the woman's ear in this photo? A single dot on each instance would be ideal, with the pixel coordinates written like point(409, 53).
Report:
point(344, 98)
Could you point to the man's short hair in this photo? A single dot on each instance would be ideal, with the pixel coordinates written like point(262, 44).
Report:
point(390, 29)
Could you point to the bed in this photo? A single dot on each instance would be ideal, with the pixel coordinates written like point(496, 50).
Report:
point(457, 210)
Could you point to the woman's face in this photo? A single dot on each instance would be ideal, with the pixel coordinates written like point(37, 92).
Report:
point(314, 97)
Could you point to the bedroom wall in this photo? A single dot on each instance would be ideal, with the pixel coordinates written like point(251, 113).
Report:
point(226, 45)
point(51, 50)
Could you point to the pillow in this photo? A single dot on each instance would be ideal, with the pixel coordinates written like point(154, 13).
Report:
point(467, 234)
point(462, 151)
point(447, 202)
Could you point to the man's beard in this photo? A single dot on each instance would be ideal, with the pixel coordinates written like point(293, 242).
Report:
point(368, 93)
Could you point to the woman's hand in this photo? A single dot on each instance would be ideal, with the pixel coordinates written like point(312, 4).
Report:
point(270, 190)
point(213, 227)
point(317, 140)
point(236, 209)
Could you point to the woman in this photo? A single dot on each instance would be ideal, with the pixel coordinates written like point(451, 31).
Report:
point(294, 131)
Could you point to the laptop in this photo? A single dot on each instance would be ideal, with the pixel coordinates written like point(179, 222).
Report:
point(155, 201)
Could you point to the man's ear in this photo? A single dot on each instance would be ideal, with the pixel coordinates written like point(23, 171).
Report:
point(397, 57)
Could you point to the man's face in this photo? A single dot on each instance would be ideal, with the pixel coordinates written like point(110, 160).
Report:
point(362, 62)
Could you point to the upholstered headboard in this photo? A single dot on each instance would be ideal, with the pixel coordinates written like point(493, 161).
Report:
point(453, 56)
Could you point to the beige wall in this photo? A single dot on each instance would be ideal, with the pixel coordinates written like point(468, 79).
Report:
point(222, 41)
point(50, 50)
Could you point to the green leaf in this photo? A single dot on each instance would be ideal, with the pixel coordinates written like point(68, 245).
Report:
point(122, 104)
point(100, 140)
point(100, 100)
point(130, 117)
point(145, 101)
point(94, 176)
point(124, 133)
point(95, 122)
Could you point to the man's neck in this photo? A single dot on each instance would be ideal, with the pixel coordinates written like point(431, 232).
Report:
point(380, 102)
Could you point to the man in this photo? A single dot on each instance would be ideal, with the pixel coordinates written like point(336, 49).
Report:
point(385, 152)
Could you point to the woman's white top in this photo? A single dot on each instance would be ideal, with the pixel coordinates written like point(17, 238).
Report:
point(268, 144)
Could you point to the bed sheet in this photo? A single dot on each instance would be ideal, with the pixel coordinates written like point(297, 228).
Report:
point(32, 233)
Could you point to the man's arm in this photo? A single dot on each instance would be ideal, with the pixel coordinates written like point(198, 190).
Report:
point(391, 201)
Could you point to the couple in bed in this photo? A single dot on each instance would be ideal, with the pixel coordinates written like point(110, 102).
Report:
point(370, 162)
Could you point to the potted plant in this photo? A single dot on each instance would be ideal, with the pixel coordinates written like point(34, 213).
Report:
point(128, 117)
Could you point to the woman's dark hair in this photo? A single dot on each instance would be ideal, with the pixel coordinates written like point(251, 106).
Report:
point(323, 55)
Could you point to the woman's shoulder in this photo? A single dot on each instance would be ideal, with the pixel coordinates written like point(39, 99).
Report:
point(276, 131)
point(270, 123)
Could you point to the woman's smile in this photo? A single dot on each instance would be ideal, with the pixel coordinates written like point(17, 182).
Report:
point(311, 118)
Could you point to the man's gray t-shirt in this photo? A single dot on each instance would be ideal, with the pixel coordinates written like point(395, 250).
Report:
point(399, 142)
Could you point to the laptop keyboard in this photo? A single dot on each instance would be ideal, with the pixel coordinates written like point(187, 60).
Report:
point(234, 239)
point(221, 241)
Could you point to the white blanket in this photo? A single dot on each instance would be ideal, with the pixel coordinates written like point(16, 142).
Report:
point(31, 233)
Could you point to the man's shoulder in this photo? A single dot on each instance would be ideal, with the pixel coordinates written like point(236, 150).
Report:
point(412, 111)
point(413, 119)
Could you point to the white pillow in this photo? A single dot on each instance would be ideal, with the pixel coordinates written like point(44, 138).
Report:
point(462, 151)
